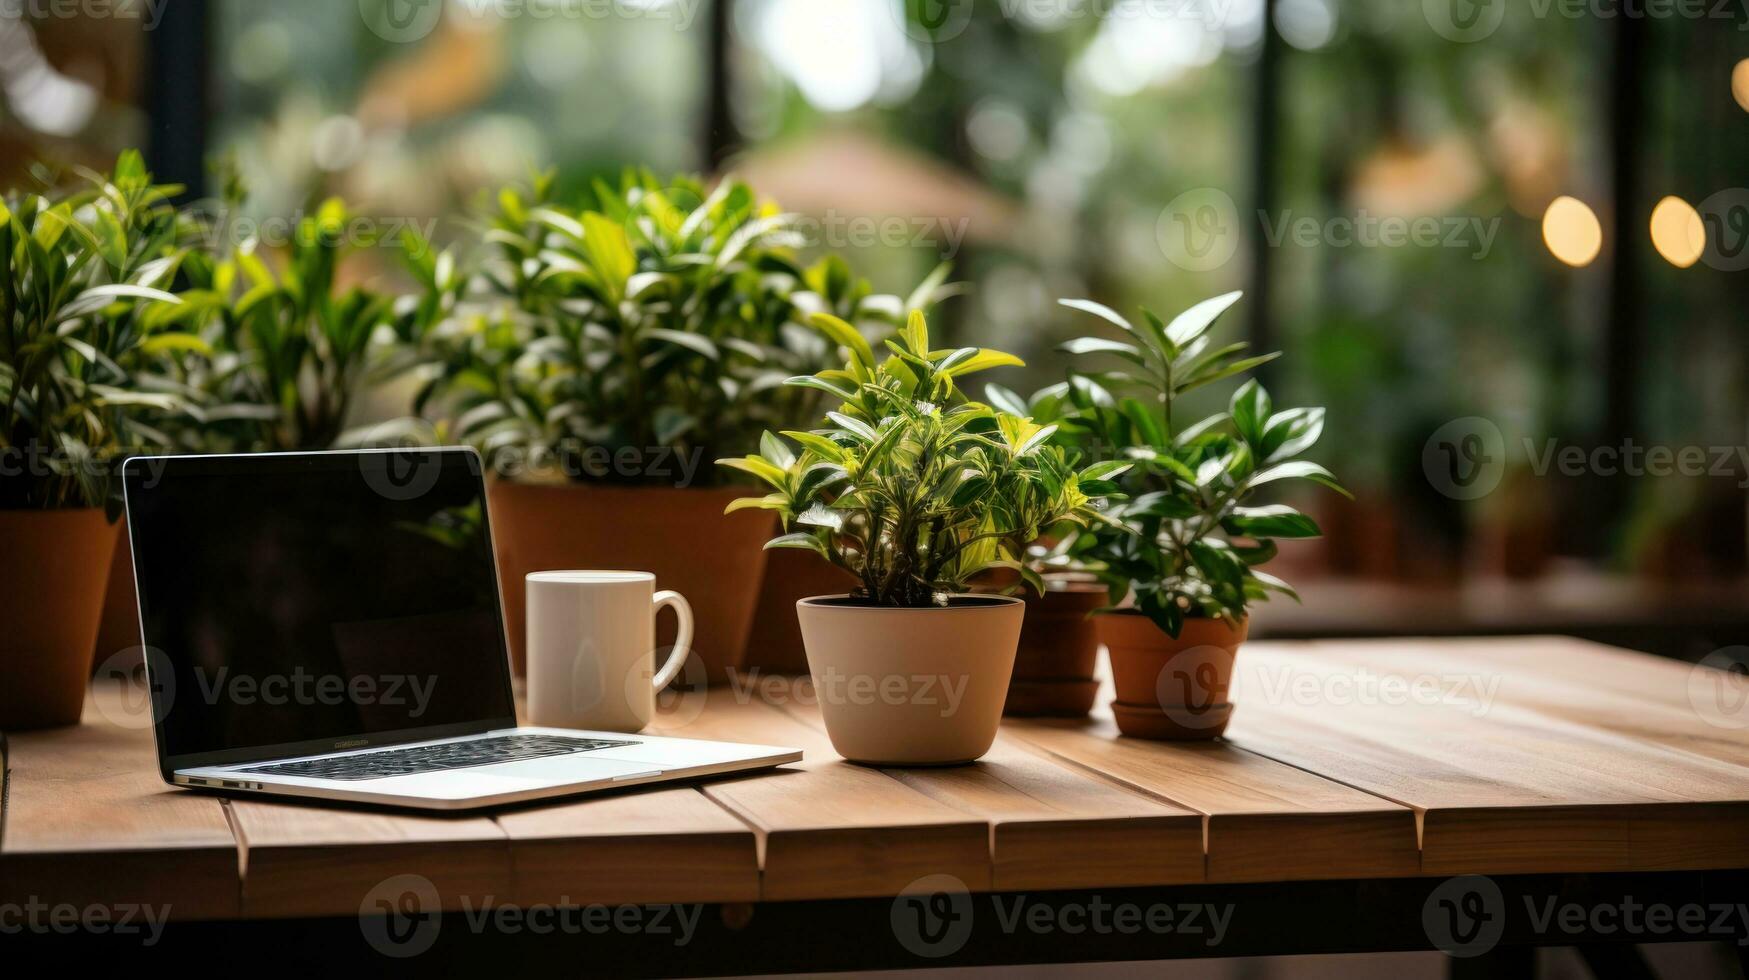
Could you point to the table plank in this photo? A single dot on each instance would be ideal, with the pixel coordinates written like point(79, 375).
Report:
point(655, 845)
point(1667, 702)
point(89, 822)
point(1263, 821)
point(1054, 825)
point(314, 860)
point(1500, 788)
point(827, 828)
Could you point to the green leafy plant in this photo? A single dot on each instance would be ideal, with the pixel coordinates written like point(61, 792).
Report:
point(279, 355)
point(81, 275)
point(666, 317)
point(912, 488)
point(1192, 539)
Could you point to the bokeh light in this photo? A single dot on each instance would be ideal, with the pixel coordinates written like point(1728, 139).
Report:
point(1677, 232)
point(1572, 232)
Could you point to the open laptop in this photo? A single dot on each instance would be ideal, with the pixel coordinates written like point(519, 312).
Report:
point(329, 625)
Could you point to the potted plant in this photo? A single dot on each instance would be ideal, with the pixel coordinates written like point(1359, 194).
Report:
point(78, 275)
point(913, 490)
point(275, 358)
point(829, 286)
point(1055, 670)
point(599, 357)
point(1186, 565)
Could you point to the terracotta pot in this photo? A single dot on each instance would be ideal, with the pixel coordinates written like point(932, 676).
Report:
point(51, 596)
point(119, 630)
point(775, 642)
point(1171, 688)
point(1059, 650)
point(682, 536)
point(911, 687)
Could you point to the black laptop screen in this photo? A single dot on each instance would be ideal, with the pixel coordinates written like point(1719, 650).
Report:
point(291, 600)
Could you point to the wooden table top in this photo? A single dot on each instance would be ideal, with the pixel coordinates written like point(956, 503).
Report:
point(1345, 759)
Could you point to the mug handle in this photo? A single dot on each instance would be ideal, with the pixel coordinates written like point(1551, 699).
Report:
point(682, 642)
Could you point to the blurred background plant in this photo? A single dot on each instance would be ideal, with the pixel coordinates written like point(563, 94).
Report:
point(82, 272)
point(666, 316)
point(278, 354)
point(1063, 149)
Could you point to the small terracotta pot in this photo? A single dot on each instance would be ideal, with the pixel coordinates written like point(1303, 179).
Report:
point(51, 597)
point(119, 629)
point(1171, 688)
point(715, 561)
point(911, 687)
point(775, 642)
point(1059, 651)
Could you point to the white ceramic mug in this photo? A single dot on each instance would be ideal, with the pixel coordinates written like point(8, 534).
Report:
point(591, 646)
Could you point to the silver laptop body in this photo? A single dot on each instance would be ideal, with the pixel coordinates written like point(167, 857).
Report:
point(329, 626)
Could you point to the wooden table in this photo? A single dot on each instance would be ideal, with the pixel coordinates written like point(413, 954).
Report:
point(1358, 777)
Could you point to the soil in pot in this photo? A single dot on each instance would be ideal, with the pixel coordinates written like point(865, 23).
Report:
point(911, 687)
point(1171, 688)
point(1059, 650)
point(51, 598)
point(775, 642)
point(716, 561)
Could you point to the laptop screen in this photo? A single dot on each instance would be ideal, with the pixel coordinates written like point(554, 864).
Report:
point(300, 604)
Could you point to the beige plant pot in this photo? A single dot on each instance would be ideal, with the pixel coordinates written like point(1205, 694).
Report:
point(911, 687)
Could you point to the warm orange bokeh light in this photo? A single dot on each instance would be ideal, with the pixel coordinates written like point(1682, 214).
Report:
point(1571, 231)
point(1677, 232)
point(1740, 83)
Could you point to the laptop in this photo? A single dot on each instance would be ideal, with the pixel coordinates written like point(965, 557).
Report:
point(329, 626)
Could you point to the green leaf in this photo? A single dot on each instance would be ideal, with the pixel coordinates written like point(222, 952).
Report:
point(1197, 320)
point(610, 253)
point(1300, 470)
point(1096, 345)
point(983, 360)
point(845, 335)
point(1250, 409)
point(1100, 310)
point(692, 342)
point(1271, 522)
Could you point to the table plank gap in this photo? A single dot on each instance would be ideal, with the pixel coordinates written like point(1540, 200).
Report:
point(831, 829)
point(1053, 825)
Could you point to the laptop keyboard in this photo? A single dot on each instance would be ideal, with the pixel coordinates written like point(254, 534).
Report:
point(435, 758)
